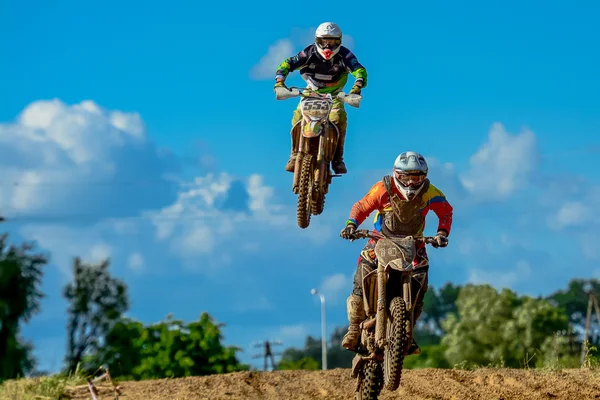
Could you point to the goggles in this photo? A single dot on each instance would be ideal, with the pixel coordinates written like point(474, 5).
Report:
point(328, 43)
point(408, 179)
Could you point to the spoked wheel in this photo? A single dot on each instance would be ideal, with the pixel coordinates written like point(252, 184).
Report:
point(303, 211)
point(397, 342)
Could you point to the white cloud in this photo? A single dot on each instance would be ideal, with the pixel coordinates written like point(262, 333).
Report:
point(276, 53)
point(572, 213)
point(135, 262)
point(502, 165)
point(67, 162)
point(216, 216)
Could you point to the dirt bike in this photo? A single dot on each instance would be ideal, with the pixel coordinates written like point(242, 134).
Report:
point(386, 334)
point(316, 148)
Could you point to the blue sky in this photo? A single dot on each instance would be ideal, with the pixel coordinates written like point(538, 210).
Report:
point(149, 132)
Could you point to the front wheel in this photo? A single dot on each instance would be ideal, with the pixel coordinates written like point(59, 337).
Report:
point(303, 210)
point(372, 381)
point(397, 341)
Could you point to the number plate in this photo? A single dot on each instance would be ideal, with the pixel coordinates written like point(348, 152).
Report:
point(315, 108)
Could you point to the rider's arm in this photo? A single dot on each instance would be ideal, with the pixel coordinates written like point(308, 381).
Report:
point(437, 202)
point(355, 67)
point(291, 64)
point(365, 206)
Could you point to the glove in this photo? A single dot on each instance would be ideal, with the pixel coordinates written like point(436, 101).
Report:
point(355, 89)
point(441, 240)
point(348, 231)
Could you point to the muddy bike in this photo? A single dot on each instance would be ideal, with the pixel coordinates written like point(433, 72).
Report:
point(315, 147)
point(386, 333)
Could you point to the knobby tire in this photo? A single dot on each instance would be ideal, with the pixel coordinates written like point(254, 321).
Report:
point(397, 342)
point(372, 382)
point(303, 212)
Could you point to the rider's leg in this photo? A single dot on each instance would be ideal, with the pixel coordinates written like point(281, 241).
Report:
point(339, 117)
point(420, 279)
point(294, 138)
point(355, 304)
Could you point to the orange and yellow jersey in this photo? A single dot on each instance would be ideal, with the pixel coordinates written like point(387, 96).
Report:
point(378, 199)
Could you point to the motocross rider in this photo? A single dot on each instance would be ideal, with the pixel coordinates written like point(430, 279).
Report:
point(402, 201)
point(324, 65)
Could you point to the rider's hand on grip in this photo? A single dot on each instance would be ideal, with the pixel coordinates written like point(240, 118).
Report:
point(440, 240)
point(348, 231)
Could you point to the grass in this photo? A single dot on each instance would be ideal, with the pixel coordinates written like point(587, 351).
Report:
point(51, 387)
point(42, 388)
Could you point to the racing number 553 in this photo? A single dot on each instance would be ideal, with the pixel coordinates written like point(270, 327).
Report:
point(314, 105)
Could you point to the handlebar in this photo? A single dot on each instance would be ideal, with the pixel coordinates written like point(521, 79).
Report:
point(368, 234)
point(284, 93)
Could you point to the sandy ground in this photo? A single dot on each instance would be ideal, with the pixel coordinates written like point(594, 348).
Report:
point(420, 384)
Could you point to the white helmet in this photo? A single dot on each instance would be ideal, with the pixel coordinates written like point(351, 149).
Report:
point(328, 39)
point(410, 171)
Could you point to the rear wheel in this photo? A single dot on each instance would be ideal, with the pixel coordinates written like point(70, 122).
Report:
point(303, 211)
point(397, 342)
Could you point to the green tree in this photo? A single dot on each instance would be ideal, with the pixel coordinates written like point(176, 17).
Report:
point(438, 303)
point(121, 349)
point(96, 303)
point(20, 277)
point(432, 356)
point(170, 348)
point(492, 327)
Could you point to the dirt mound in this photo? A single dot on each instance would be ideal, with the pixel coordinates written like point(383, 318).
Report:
point(420, 384)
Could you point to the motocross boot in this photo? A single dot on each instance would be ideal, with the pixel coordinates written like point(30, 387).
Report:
point(338, 165)
point(291, 164)
point(356, 315)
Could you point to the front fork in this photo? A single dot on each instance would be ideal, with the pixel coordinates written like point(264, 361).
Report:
point(297, 166)
point(382, 313)
point(322, 163)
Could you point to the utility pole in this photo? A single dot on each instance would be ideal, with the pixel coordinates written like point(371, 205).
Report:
point(268, 354)
point(592, 301)
point(323, 330)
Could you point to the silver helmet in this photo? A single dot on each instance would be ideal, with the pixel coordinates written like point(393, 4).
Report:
point(410, 172)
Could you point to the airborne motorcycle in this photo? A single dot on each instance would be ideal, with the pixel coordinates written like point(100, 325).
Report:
point(316, 148)
point(386, 333)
